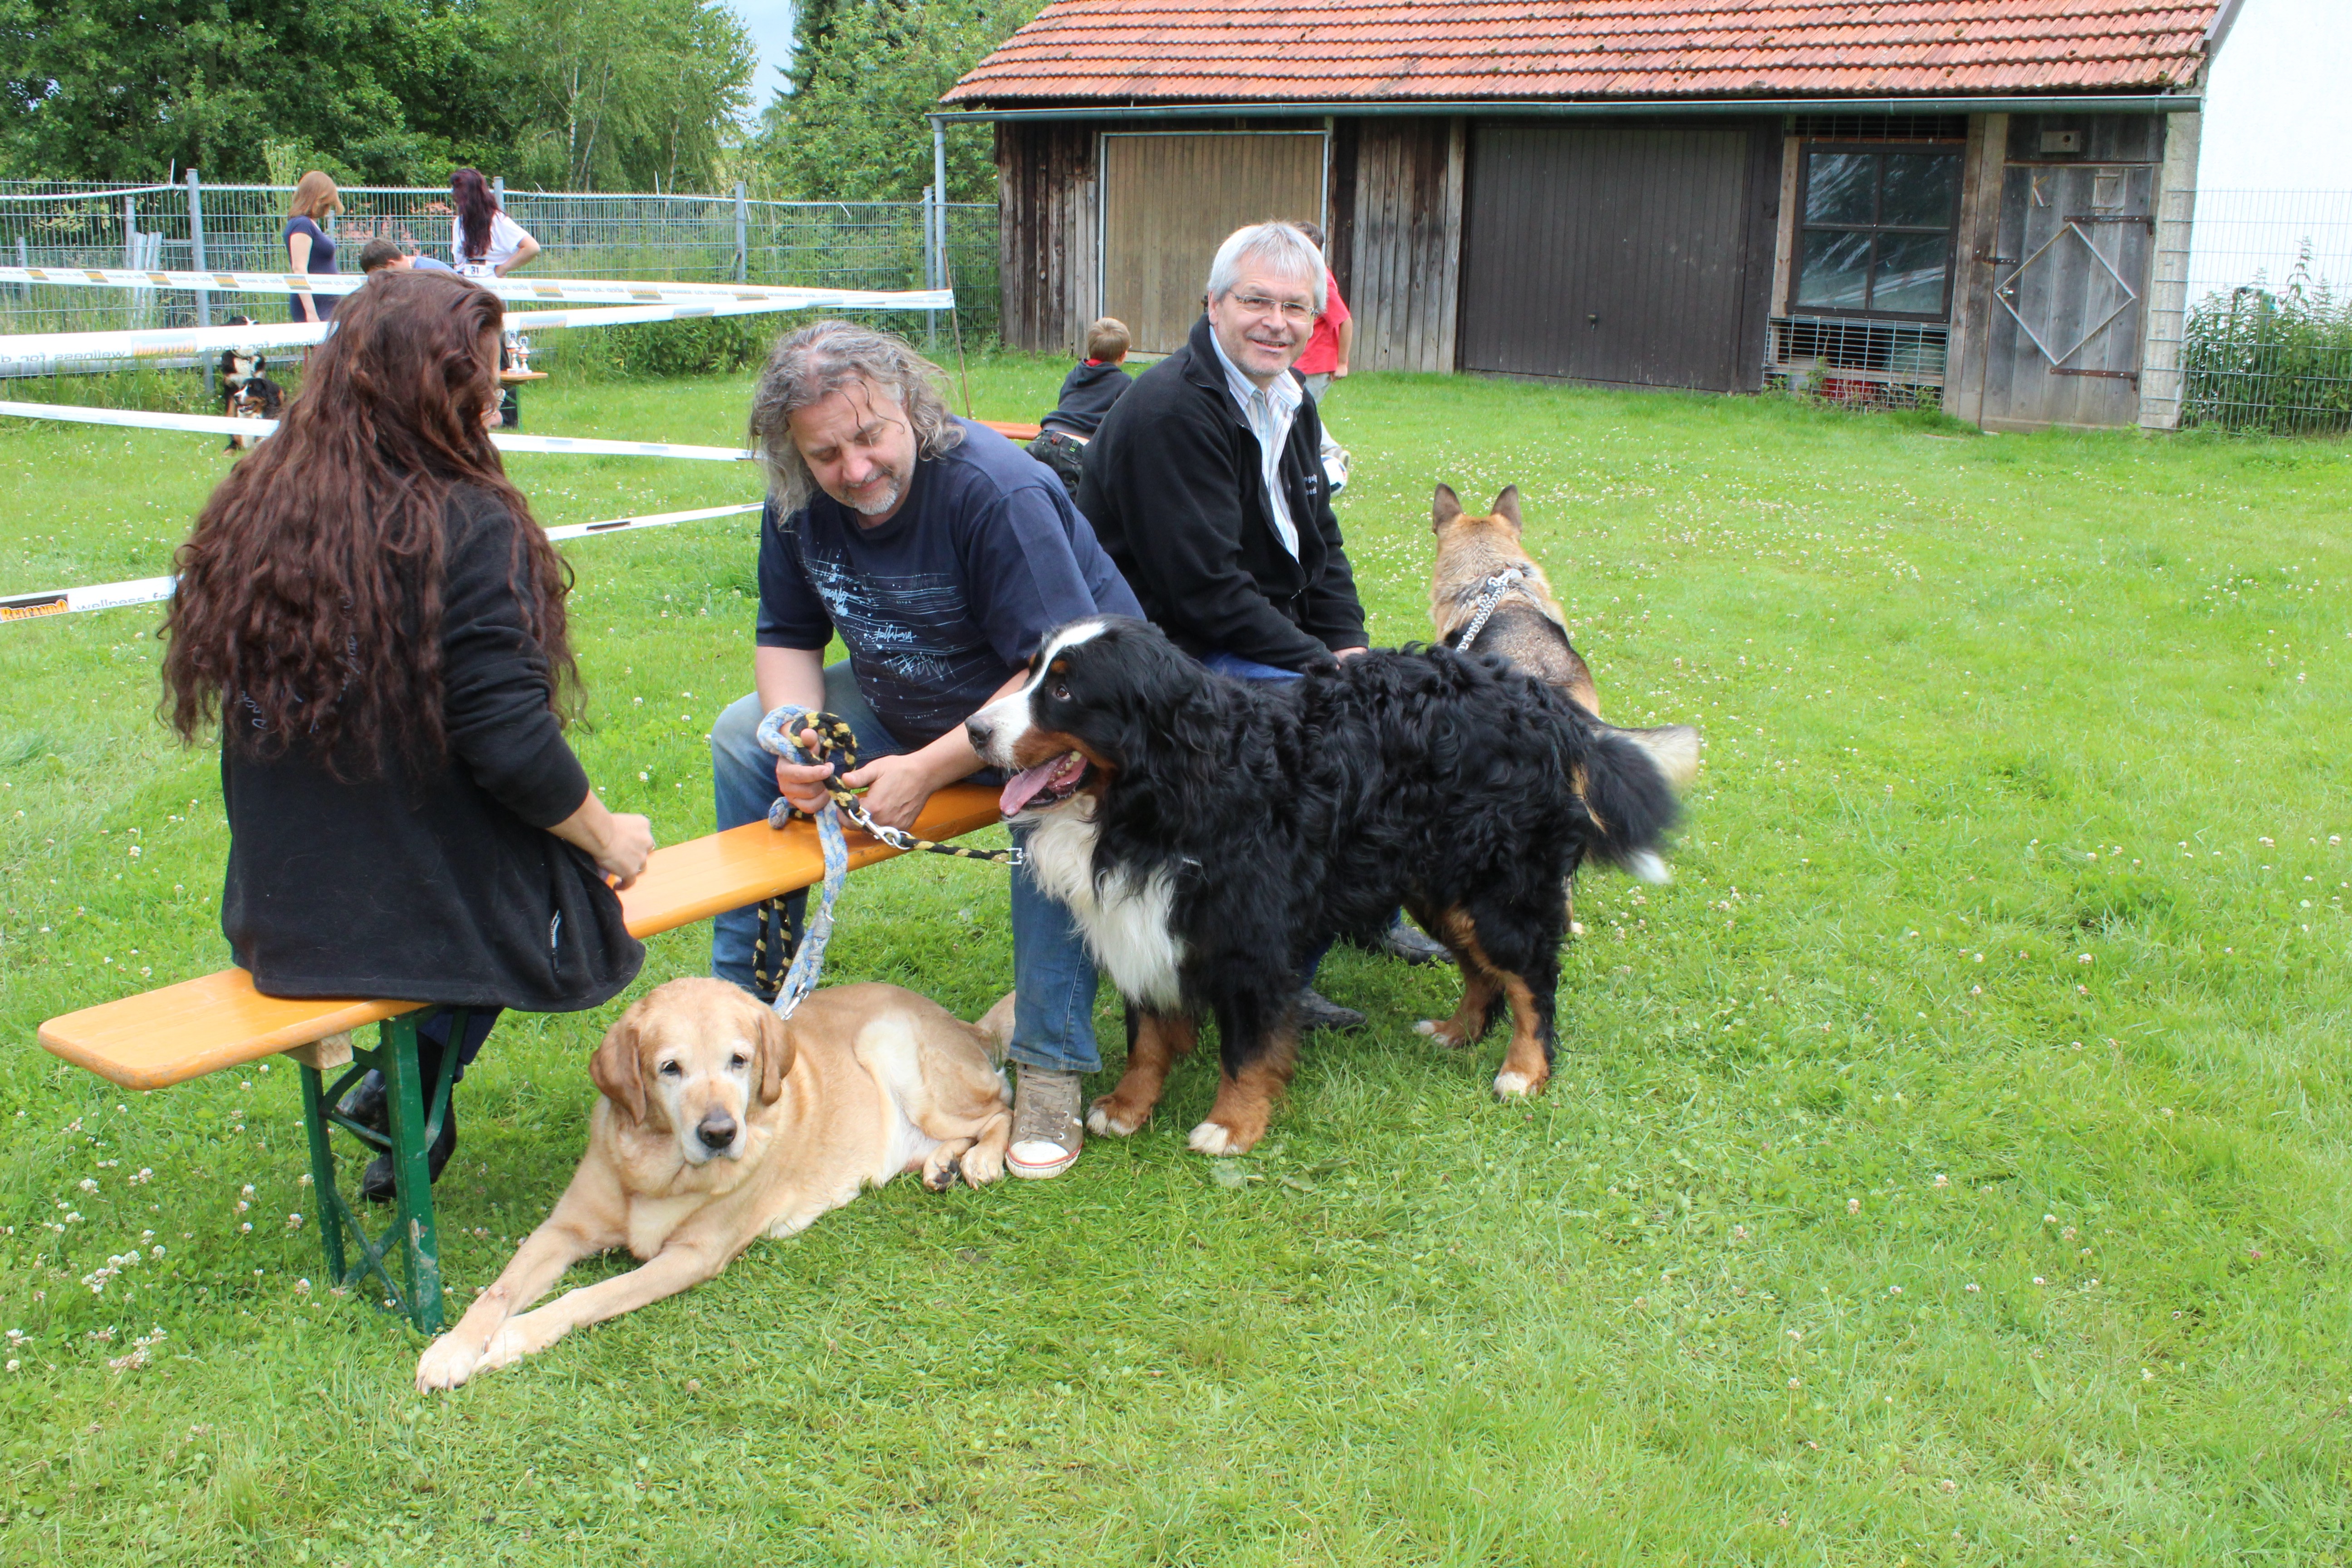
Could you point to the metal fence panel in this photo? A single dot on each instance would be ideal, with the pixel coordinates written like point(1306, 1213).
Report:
point(2268, 342)
point(850, 245)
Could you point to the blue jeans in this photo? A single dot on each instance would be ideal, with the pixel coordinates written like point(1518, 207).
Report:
point(1053, 973)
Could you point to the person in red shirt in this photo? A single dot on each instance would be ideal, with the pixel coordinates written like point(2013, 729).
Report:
point(1326, 358)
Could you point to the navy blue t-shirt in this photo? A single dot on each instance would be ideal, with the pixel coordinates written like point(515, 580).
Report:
point(322, 259)
point(940, 604)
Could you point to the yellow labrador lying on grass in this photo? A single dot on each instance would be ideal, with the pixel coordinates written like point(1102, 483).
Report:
point(721, 1123)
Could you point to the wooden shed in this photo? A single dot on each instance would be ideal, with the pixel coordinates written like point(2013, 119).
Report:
point(1984, 202)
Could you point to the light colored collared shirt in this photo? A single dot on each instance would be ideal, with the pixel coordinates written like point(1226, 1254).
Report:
point(1270, 412)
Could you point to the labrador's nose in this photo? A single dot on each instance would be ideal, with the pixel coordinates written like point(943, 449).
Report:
point(717, 1130)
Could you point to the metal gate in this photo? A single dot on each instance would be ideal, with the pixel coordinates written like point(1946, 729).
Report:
point(2069, 274)
point(1610, 254)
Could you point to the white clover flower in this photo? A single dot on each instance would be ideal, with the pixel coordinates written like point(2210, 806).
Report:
point(1853, 1205)
point(246, 1191)
point(246, 1228)
point(1972, 1288)
point(89, 1186)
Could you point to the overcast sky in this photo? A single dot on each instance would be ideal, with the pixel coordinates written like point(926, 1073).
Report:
point(2274, 164)
point(771, 22)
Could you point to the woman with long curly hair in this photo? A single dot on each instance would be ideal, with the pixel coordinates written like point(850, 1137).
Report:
point(370, 614)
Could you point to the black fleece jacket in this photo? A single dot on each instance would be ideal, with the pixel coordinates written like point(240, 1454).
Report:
point(432, 881)
point(1175, 489)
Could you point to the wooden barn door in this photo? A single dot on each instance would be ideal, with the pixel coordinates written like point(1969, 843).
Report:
point(1168, 201)
point(2072, 265)
point(1612, 254)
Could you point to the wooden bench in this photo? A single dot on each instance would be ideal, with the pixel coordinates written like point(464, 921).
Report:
point(180, 1032)
point(1012, 430)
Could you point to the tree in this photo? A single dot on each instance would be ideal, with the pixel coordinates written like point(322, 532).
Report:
point(563, 94)
point(380, 90)
point(627, 97)
point(865, 72)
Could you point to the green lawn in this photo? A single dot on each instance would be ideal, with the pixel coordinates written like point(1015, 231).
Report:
point(1950, 1166)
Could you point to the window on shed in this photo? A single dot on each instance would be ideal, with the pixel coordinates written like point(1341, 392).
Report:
point(1876, 230)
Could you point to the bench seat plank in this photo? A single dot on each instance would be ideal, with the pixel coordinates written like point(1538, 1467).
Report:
point(1013, 429)
point(197, 1027)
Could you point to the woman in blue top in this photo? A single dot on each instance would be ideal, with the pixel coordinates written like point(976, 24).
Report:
point(309, 247)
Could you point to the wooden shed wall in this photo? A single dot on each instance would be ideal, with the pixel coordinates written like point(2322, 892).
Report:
point(1046, 274)
point(1404, 242)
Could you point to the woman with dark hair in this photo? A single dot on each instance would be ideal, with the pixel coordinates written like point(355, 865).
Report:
point(310, 248)
point(483, 241)
point(369, 611)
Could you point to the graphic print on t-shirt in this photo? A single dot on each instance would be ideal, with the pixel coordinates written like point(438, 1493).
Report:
point(913, 643)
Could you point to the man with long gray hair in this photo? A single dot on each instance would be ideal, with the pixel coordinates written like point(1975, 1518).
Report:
point(941, 553)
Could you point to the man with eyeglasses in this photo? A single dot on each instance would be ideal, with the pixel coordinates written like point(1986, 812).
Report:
point(1205, 486)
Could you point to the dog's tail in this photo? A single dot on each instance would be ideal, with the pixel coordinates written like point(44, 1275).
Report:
point(1627, 782)
point(995, 1027)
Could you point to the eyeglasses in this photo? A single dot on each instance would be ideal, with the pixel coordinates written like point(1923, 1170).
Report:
point(1297, 312)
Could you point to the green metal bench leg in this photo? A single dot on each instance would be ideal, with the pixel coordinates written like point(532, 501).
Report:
point(417, 1108)
point(416, 1111)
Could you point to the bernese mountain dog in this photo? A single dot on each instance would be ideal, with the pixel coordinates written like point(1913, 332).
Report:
point(246, 390)
point(1208, 833)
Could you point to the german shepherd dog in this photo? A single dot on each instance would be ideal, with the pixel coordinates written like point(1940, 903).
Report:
point(1482, 562)
point(246, 392)
point(1206, 833)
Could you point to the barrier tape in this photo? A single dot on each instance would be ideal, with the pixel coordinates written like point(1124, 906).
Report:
point(571, 290)
point(41, 348)
point(222, 424)
point(155, 590)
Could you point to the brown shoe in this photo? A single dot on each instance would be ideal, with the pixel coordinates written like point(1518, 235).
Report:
point(1046, 1132)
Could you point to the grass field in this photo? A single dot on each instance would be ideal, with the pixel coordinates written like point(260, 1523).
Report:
point(1950, 1166)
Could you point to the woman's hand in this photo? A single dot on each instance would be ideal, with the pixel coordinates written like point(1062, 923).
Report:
point(619, 842)
point(629, 847)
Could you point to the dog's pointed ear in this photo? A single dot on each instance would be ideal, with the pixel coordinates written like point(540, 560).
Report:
point(776, 1053)
point(615, 1068)
point(1507, 506)
point(1443, 507)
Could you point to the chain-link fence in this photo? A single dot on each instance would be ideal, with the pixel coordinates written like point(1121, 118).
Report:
point(850, 245)
point(2268, 342)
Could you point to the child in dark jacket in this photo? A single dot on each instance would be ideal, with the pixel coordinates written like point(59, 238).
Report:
point(1088, 393)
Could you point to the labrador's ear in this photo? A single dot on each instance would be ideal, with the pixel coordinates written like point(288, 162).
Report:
point(1443, 507)
point(776, 1053)
point(615, 1070)
point(1507, 506)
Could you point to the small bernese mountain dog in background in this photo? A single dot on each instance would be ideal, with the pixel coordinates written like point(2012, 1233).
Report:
point(1208, 833)
point(247, 393)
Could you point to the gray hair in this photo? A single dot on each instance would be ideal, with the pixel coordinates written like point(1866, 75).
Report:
point(1277, 245)
point(810, 365)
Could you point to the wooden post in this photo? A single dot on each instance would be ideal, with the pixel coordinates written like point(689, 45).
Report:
point(2164, 323)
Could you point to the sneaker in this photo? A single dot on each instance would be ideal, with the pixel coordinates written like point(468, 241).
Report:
point(1314, 1011)
point(1046, 1132)
point(376, 1183)
point(1404, 939)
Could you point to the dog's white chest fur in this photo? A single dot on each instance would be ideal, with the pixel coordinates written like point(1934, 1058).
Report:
point(1126, 920)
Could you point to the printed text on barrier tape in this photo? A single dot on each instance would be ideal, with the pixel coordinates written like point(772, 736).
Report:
point(41, 347)
point(575, 290)
point(222, 424)
point(155, 590)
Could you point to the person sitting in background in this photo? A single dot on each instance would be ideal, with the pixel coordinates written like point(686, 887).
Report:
point(1088, 393)
point(386, 254)
point(484, 242)
point(370, 612)
point(309, 247)
point(1326, 357)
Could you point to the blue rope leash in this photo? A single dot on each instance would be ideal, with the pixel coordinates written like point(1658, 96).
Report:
point(836, 744)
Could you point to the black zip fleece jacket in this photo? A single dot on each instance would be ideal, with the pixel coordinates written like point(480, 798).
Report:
point(431, 879)
point(1174, 488)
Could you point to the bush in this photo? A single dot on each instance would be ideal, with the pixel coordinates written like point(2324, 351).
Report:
point(2275, 361)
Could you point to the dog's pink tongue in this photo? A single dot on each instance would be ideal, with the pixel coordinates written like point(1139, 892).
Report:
point(1024, 786)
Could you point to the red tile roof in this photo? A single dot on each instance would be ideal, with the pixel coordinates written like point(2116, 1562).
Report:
point(1224, 50)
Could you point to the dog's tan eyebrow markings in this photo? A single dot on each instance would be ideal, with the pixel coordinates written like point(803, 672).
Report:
point(1059, 666)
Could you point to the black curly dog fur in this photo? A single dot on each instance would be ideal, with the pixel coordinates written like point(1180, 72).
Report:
point(1218, 831)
